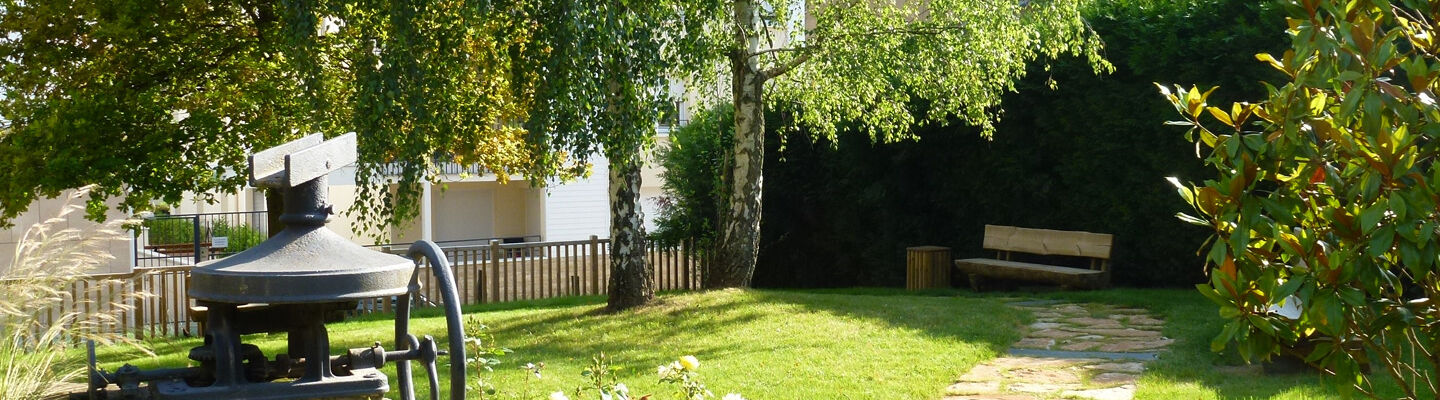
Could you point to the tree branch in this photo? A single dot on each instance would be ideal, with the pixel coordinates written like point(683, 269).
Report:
point(786, 67)
point(809, 50)
point(779, 50)
point(912, 31)
point(186, 70)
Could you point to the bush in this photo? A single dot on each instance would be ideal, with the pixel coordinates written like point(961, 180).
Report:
point(694, 164)
point(241, 237)
point(166, 230)
point(1090, 155)
point(1322, 199)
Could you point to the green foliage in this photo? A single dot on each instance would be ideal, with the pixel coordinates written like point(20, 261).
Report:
point(683, 373)
point(484, 355)
point(164, 230)
point(1324, 196)
point(694, 166)
point(241, 237)
point(169, 230)
point(867, 64)
point(1090, 154)
point(612, 113)
point(603, 91)
point(434, 82)
point(145, 99)
point(828, 63)
point(600, 375)
point(151, 100)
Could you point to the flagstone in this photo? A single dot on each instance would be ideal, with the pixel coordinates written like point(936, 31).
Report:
point(972, 388)
point(1126, 392)
point(1094, 322)
point(1133, 367)
point(1127, 332)
point(1055, 334)
point(1109, 379)
point(1034, 343)
point(1136, 346)
point(1069, 327)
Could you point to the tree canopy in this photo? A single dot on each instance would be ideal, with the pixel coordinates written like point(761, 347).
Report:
point(832, 62)
point(605, 81)
point(150, 100)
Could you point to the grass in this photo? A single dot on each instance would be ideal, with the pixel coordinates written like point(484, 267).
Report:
point(1189, 370)
point(821, 344)
point(763, 344)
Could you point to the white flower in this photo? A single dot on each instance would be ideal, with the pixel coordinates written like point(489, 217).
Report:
point(558, 396)
point(733, 396)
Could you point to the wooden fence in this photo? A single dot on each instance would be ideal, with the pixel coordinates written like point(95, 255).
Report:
point(153, 301)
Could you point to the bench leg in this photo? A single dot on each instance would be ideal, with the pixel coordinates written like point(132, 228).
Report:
point(977, 282)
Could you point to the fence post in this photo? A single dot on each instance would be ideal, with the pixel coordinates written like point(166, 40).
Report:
point(135, 246)
point(195, 233)
point(480, 279)
point(685, 264)
point(495, 267)
point(595, 264)
point(142, 282)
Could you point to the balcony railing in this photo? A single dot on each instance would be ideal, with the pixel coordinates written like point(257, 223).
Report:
point(446, 168)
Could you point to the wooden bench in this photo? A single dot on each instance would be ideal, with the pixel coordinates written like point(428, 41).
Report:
point(1007, 239)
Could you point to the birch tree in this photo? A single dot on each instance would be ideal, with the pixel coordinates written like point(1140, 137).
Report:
point(867, 63)
point(603, 82)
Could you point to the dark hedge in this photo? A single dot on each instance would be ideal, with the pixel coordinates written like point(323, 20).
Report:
point(1091, 155)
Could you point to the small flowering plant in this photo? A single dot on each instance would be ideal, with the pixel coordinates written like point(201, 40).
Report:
point(602, 379)
point(683, 372)
point(483, 354)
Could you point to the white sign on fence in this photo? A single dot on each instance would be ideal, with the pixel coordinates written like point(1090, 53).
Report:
point(220, 242)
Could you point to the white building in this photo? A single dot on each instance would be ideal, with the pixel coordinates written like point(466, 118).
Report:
point(468, 210)
point(45, 209)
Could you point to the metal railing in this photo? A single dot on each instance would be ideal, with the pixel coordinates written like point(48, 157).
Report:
point(187, 239)
point(446, 168)
point(399, 248)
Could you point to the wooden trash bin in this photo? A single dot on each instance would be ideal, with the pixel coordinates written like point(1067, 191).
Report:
point(927, 267)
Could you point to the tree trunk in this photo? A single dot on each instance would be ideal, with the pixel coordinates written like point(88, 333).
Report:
point(739, 241)
point(632, 280)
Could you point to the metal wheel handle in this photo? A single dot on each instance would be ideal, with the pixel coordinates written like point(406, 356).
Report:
point(440, 267)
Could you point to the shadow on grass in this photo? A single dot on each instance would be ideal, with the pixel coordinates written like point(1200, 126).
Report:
point(688, 322)
point(752, 336)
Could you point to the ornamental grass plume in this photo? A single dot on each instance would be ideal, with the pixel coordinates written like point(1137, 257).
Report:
point(35, 331)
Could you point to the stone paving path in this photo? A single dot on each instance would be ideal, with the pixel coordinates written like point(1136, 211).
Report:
point(1071, 351)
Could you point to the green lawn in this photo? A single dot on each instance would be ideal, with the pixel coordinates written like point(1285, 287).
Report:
point(828, 344)
point(1189, 370)
point(762, 344)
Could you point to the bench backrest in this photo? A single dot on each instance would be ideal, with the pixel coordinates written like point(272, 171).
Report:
point(1048, 242)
